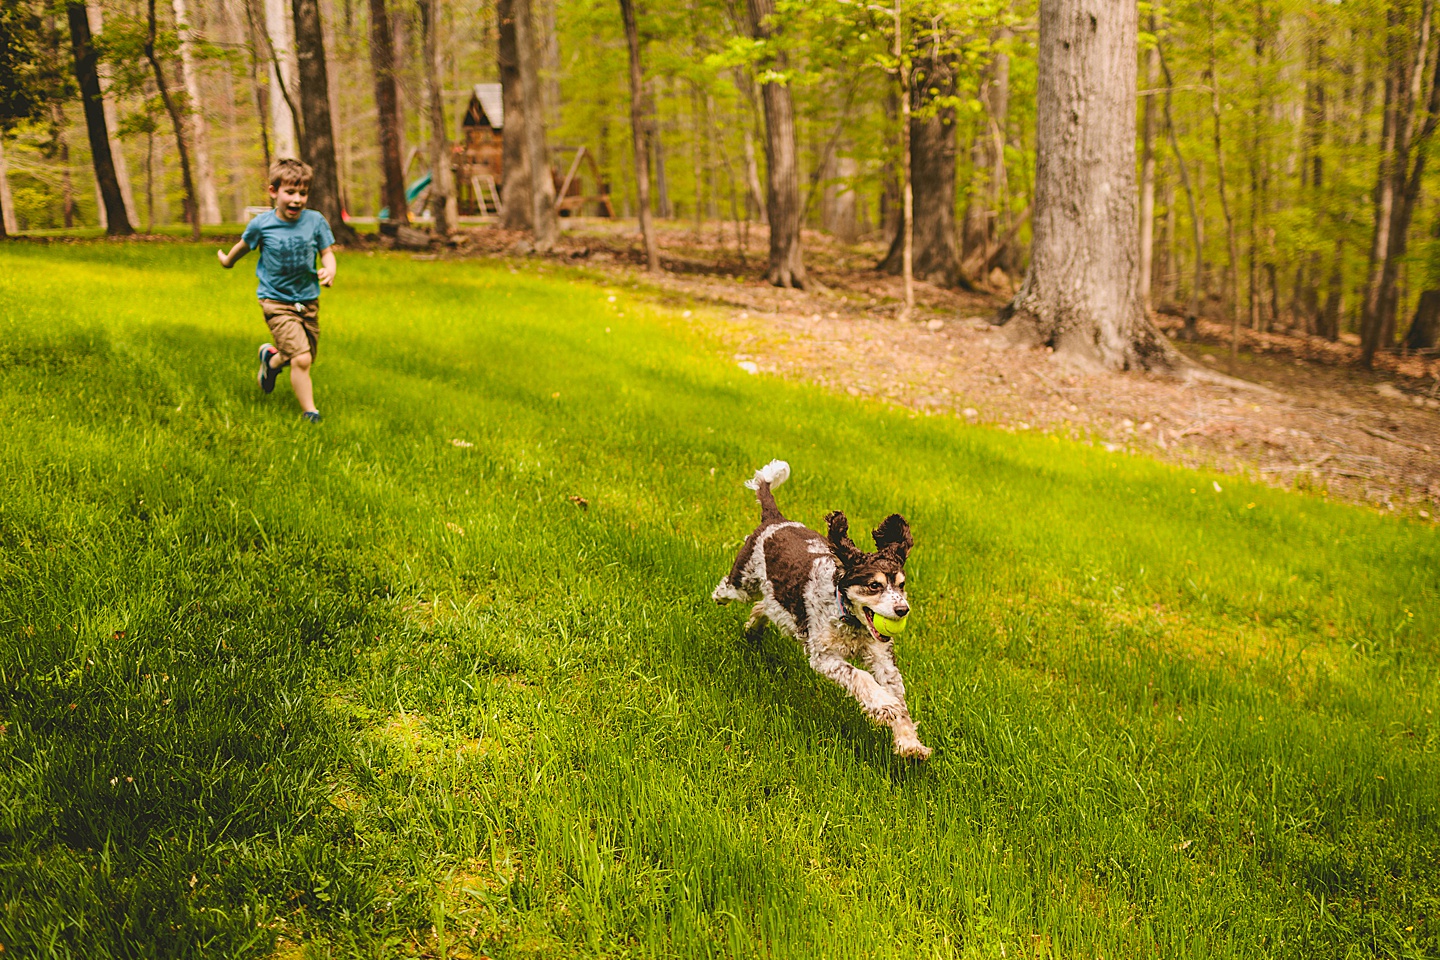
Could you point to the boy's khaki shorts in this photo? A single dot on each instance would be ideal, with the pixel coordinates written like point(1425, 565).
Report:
point(295, 327)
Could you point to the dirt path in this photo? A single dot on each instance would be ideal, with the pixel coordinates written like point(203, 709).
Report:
point(1318, 423)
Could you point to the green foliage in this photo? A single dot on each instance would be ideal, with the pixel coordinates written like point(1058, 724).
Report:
point(19, 97)
point(382, 688)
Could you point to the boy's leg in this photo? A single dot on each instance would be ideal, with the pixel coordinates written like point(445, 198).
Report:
point(300, 382)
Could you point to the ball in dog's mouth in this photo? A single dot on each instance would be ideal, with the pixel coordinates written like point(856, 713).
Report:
point(882, 626)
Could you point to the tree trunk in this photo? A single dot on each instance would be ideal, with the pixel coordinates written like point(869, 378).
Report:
point(545, 224)
point(1407, 191)
point(279, 40)
point(442, 178)
point(983, 208)
point(755, 198)
point(932, 173)
point(1425, 328)
point(192, 206)
point(1197, 225)
point(666, 209)
point(637, 134)
point(1328, 325)
point(518, 214)
point(8, 225)
point(387, 108)
point(1147, 173)
point(1232, 243)
point(199, 135)
point(1404, 53)
point(96, 17)
point(86, 75)
point(318, 143)
point(787, 263)
point(1081, 295)
point(262, 95)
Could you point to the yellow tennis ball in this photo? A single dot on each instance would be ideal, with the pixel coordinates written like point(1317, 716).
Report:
point(890, 628)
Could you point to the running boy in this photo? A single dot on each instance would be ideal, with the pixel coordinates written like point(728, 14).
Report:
point(289, 239)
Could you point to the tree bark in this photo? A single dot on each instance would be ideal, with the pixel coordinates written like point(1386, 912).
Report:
point(1081, 295)
point(192, 206)
point(787, 263)
point(387, 108)
point(317, 146)
point(931, 173)
point(637, 133)
point(518, 214)
point(442, 178)
point(545, 224)
point(86, 75)
point(199, 135)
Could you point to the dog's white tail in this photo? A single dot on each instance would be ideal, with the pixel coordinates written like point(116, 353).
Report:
point(774, 473)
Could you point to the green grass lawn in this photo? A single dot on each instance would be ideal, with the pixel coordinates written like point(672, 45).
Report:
point(359, 690)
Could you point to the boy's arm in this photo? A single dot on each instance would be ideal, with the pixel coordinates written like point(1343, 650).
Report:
point(327, 266)
point(228, 260)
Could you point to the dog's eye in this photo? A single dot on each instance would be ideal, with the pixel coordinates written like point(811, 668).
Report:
point(874, 586)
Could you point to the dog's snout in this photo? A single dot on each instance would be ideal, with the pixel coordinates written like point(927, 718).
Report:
point(901, 610)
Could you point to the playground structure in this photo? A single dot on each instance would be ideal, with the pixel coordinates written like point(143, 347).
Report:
point(478, 164)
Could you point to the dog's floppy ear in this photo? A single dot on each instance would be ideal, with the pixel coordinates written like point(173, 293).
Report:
point(893, 537)
point(844, 547)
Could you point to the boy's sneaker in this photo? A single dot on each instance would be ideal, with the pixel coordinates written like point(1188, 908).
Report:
point(311, 416)
point(266, 376)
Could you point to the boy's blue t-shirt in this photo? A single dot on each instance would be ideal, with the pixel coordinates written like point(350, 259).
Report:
point(286, 270)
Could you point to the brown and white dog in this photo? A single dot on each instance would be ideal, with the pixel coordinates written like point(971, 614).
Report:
point(825, 592)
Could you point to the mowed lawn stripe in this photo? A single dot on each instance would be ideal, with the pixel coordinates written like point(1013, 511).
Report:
point(373, 688)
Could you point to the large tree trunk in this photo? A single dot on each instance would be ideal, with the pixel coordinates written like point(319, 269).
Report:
point(96, 17)
point(387, 108)
point(192, 206)
point(518, 213)
point(8, 225)
point(280, 44)
point(787, 263)
point(317, 147)
point(932, 172)
point(117, 223)
point(545, 223)
point(442, 179)
point(637, 134)
point(199, 135)
point(1081, 295)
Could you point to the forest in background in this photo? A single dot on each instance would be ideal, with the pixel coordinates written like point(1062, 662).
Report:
point(1272, 137)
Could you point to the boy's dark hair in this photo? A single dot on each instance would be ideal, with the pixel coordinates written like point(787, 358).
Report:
point(289, 172)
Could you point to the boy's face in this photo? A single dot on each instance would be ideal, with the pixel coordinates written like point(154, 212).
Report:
point(290, 200)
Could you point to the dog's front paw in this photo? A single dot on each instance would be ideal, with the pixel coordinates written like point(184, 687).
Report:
point(890, 713)
point(912, 749)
